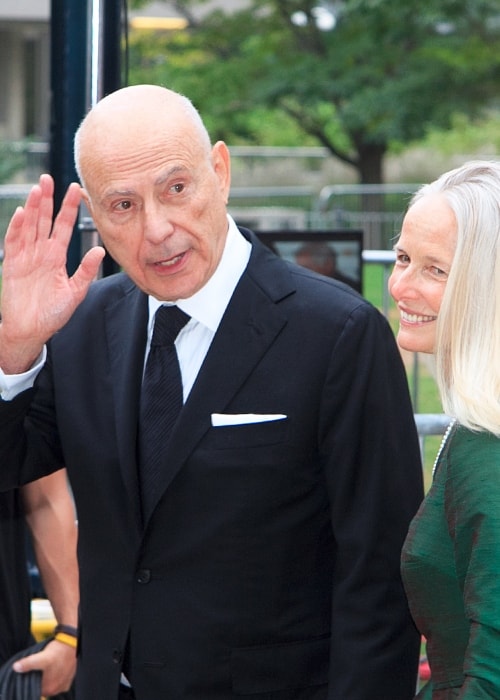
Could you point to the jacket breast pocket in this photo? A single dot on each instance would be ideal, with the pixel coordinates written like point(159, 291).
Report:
point(280, 667)
point(229, 437)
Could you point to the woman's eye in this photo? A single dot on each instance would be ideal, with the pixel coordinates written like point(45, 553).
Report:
point(177, 188)
point(402, 258)
point(438, 271)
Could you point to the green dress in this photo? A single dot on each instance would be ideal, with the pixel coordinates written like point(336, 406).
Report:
point(451, 569)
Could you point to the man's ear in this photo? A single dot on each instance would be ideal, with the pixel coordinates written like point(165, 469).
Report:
point(86, 199)
point(221, 160)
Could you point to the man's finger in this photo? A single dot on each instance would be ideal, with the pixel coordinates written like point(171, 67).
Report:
point(65, 219)
point(28, 663)
point(29, 221)
point(46, 207)
point(87, 270)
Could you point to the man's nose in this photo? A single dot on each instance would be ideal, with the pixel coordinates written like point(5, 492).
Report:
point(156, 223)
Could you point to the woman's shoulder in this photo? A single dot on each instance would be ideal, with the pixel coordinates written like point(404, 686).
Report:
point(474, 452)
point(465, 439)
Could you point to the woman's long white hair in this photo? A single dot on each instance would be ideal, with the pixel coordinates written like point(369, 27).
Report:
point(468, 327)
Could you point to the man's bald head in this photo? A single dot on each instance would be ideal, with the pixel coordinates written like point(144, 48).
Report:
point(133, 113)
point(156, 188)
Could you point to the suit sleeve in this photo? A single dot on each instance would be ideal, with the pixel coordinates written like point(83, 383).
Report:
point(373, 469)
point(29, 440)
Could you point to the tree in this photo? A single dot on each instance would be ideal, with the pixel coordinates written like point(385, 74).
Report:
point(354, 76)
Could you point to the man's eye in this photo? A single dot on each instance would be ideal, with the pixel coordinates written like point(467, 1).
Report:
point(125, 205)
point(177, 188)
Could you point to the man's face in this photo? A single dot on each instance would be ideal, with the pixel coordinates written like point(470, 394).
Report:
point(159, 205)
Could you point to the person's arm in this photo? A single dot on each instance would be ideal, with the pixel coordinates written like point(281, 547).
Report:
point(374, 477)
point(50, 515)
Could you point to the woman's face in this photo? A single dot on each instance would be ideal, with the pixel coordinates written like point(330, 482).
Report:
point(424, 253)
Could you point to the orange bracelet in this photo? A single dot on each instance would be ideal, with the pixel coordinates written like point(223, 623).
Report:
point(68, 639)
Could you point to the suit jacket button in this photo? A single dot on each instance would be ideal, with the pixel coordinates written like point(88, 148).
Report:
point(117, 656)
point(144, 576)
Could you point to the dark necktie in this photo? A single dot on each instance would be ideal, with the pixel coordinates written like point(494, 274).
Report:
point(161, 401)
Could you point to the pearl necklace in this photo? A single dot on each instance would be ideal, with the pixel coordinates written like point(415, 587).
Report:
point(443, 443)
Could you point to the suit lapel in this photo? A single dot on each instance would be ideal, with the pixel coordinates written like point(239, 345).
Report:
point(251, 323)
point(126, 324)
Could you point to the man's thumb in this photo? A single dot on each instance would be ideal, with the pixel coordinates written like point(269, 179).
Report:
point(24, 665)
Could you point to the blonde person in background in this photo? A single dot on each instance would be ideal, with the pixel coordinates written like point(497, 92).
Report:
point(446, 283)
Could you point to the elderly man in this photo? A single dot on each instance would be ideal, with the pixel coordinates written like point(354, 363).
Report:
point(249, 543)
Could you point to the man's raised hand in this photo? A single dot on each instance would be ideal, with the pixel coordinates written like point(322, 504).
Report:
point(38, 296)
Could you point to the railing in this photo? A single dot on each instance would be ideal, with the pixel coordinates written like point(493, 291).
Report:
point(377, 209)
point(430, 424)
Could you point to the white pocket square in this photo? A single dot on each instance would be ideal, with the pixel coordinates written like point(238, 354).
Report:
point(220, 419)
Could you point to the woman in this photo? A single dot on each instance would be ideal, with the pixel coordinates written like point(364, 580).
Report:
point(446, 284)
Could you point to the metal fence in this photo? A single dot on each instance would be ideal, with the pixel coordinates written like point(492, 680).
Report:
point(272, 208)
point(430, 424)
point(377, 209)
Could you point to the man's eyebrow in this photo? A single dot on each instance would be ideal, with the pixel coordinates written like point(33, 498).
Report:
point(117, 193)
point(161, 179)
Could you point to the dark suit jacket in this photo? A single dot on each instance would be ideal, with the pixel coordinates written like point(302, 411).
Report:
point(270, 566)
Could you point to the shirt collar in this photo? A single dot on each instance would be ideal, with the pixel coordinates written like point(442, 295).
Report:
point(207, 305)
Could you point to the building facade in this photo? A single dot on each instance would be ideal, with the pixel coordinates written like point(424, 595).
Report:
point(25, 60)
point(24, 69)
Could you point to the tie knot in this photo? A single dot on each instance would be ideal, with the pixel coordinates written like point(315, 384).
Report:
point(168, 322)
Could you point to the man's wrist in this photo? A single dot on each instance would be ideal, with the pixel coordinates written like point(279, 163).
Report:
point(13, 384)
point(66, 634)
point(66, 629)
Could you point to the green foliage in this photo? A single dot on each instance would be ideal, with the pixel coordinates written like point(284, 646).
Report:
point(465, 136)
point(388, 72)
